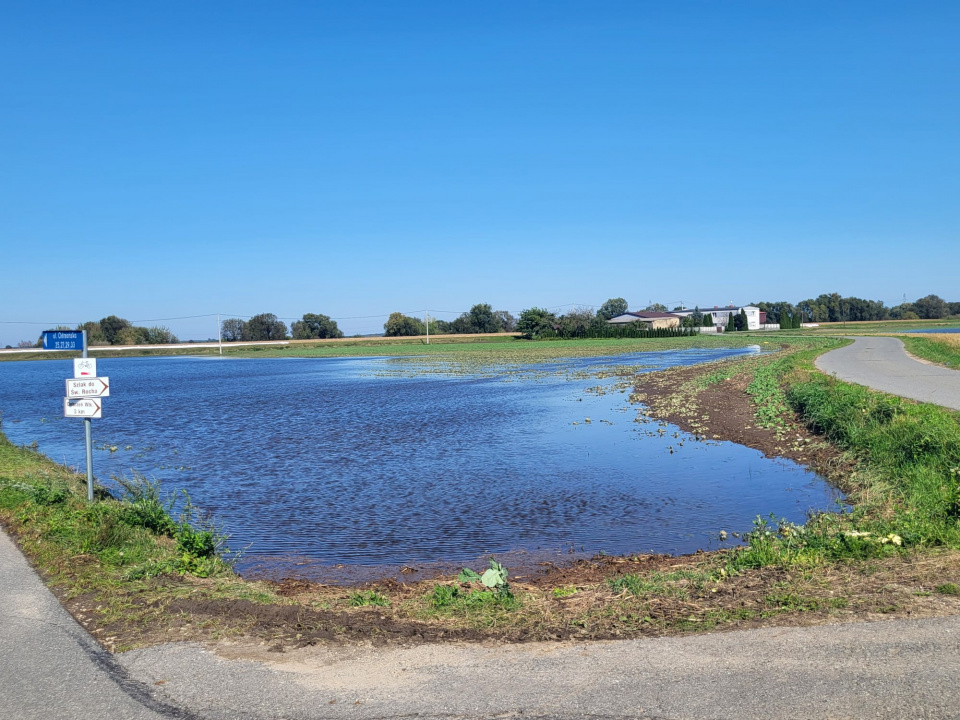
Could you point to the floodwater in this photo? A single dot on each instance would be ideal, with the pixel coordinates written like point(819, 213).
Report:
point(373, 462)
point(935, 330)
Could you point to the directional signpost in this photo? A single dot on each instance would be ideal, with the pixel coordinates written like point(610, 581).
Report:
point(59, 340)
point(88, 387)
point(83, 407)
point(84, 391)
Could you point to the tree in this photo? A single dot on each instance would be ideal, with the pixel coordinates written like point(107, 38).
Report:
point(612, 308)
point(932, 307)
point(95, 334)
point(315, 326)
point(740, 320)
point(483, 319)
point(696, 317)
point(111, 326)
point(708, 320)
point(508, 323)
point(399, 324)
point(577, 322)
point(731, 325)
point(130, 335)
point(232, 330)
point(160, 335)
point(657, 307)
point(535, 321)
point(265, 327)
point(954, 308)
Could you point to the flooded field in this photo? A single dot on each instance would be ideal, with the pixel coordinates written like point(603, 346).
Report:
point(378, 461)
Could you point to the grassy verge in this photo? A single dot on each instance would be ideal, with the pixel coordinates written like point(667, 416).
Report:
point(943, 349)
point(134, 571)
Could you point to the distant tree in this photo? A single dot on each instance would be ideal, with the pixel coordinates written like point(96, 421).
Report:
point(932, 307)
point(232, 330)
point(576, 323)
point(314, 326)
point(534, 321)
point(696, 317)
point(657, 307)
point(111, 327)
point(483, 319)
point(265, 327)
point(28, 344)
point(160, 335)
point(954, 308)
point(612, 308)
point(740, 320)
point(439, 327)
point(708, 320)
point(130, 335)
point(95, 334)
point(508, 323)
point(731, 324)
point(398, 325)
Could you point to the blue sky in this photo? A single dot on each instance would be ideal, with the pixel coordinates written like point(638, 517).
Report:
point(171, 159)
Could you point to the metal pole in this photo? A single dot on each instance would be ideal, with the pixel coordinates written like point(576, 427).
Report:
point(219, 334)
point(426, 321)
point(89, 439)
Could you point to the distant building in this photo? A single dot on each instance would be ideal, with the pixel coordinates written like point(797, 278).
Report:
point(653, 320)
point(721, 315)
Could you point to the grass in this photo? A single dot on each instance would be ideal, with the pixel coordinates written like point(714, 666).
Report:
point(943, 349)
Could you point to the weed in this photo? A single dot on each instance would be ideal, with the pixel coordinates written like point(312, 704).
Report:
point(948, 589)
point(370, 598)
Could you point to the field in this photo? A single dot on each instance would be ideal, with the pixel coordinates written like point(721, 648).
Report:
point(133, 576)
point(943, 349)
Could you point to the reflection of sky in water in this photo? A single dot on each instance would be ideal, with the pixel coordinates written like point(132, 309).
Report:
point(325, 458)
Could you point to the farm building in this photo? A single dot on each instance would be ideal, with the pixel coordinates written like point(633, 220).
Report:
point(721, 315)
point(653, 320)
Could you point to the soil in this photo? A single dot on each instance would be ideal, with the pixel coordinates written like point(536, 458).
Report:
point(725, 411)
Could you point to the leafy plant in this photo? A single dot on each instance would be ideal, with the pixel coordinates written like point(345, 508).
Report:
point(370, 598)
point(494, 577)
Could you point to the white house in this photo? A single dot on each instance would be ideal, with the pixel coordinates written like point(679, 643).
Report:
point(721, 315)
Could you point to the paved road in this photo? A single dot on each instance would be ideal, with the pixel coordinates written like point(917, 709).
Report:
point(882, 363)
point(49, 668)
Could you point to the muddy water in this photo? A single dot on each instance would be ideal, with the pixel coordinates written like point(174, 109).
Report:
point(371, 461)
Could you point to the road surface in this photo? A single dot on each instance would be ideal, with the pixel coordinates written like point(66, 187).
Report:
point(50, 668)
point(882, 363)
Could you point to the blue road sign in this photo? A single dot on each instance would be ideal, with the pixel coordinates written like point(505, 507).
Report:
point(60, 340)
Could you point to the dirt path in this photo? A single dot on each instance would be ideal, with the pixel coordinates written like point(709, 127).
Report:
point(883, 364)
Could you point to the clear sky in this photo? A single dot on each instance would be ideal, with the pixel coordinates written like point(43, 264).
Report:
point(167, 159)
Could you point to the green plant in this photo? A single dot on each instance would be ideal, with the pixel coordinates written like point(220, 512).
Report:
point(948, 589)
point(494, 577)
point(369, 598)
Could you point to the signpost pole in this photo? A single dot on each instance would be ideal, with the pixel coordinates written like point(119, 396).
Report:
point(87, 432)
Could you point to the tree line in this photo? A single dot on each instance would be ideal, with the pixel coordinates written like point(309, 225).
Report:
point(266, 326)
point(113, 330)
point(834, 308)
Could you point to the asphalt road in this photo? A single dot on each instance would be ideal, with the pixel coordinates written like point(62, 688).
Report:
point(50, 668)
point(882, 363)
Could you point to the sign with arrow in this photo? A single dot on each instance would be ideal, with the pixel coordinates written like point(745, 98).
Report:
point(88, 387)
point(82, 407)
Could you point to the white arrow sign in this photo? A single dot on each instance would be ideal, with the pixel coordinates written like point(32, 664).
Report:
point(82, 407)
point(88, 387)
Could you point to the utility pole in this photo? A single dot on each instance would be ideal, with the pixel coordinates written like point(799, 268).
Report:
point(219, 335)
point(426, 321)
